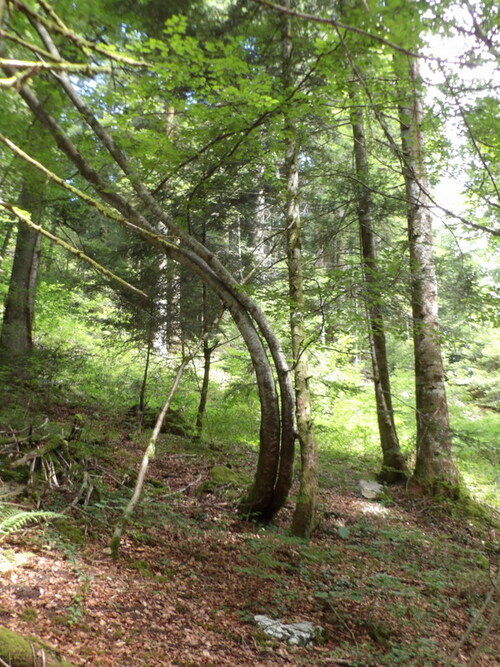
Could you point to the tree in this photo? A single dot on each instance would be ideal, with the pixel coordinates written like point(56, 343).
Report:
point(434, 468)
point(16, 340)
point(143, 214)
point(394, 468)
point(304, 516)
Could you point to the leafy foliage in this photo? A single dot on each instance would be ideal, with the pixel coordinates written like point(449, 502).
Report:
point(13, 518)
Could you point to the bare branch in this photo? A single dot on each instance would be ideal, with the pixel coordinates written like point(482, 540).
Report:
point(157, 240)
point(83, 44)
point(56, 66)
point(25, 217)
point(337, 24)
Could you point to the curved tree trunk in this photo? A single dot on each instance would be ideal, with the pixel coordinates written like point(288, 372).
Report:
point(277, 432)
point(434, 469)
point(394, 468)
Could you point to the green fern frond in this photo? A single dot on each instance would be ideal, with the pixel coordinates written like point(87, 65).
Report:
point(14, 518)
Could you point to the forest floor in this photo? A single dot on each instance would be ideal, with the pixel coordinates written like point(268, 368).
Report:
point(399, 584)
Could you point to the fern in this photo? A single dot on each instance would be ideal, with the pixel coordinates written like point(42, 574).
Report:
point(13, 518)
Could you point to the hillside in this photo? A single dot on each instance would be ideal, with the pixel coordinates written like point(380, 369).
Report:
point(400, 586)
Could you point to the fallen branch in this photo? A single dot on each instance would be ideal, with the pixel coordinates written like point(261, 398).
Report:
point(151, 449)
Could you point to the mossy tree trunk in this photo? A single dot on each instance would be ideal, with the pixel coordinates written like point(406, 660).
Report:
point(16, 339)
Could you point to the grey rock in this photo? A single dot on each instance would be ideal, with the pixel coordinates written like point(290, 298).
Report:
point(370, 489)
point(295, 634)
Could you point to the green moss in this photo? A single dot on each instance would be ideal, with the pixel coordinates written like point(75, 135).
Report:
point(29, 614)
point(224, 475)
point(18, 651)
point(141, 566)
point(14, 648)
point(70, 532)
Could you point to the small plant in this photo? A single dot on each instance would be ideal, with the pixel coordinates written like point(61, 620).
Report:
point(29, 614)
point(14, 518)
point(76, 610)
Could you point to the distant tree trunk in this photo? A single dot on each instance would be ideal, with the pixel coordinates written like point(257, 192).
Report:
point(6, 241)
point(16, 340)
point(304, 515)
point(394, 467)
point(149, 349)
point(435, 470)
point(207, 358)
point(208, 348)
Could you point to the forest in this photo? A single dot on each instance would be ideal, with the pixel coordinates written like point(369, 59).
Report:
point(250, 335)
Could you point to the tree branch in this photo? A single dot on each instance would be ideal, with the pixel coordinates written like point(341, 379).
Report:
point(83, 44)
point(337, 24)
point(35, 65)
point(25, 217)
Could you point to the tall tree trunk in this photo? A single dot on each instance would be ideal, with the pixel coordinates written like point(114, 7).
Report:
point(394, 467)
point(16, 337)
point(304, 515)
point(434, 470)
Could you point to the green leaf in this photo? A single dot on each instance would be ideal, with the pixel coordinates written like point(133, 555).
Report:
point(343, 532)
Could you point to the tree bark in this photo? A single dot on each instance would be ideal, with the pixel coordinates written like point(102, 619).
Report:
point(435, 470)
point(394, 469)
point(305, 509)
point(16, 341)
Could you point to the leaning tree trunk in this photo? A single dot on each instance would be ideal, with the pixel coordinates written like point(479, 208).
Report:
point(304, 515)
point(274, 470)
point(394, 469)
point(435, 470)
point(16, 340)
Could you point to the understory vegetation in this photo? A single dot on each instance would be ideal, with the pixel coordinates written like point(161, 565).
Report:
point(394, 581)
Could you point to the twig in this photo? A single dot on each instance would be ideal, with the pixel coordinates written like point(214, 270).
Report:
point(196, 481)
point(472, 624)
point(486, 632)
point(151, 448)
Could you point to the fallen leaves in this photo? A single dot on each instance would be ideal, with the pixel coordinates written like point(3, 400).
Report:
point(189, 582)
